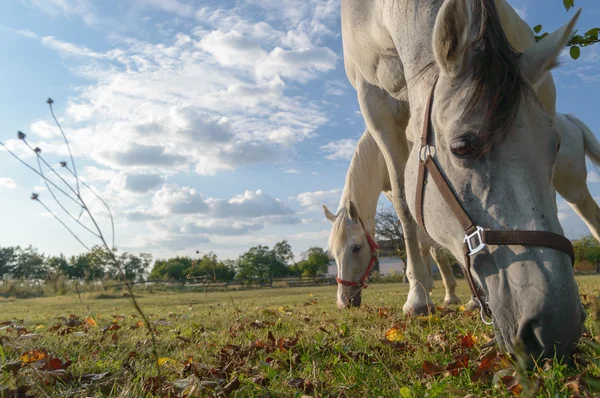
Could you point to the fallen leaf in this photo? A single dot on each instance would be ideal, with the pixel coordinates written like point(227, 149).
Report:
point(394, 334)
point(467, 341)
point(431, 369)
point(301, 384)
point(33, 355)
point(438, 339)
point(12, 367)
point(512, 384)
point(50, 377)
point(261, 381)
point(461, 363)
point(232, 386)
point(94, 376)
point(383, 312)
point(90, 321)
point(29, 336)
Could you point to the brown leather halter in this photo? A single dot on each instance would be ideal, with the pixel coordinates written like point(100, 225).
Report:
point(476, 237)
point(373, 246)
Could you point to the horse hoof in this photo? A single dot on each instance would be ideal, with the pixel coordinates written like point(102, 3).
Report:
point(472, 305)
point(419, 311)
point(452, 300)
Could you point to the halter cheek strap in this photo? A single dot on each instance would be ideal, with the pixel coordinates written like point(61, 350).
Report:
point(476, 238)
point(362, 282)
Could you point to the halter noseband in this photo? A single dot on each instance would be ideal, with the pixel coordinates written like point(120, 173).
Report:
point(476, 238)
point(362, 282)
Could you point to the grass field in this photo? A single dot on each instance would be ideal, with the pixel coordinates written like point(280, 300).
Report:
point(268, 343)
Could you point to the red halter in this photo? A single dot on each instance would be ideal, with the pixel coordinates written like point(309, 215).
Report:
point(373, 246)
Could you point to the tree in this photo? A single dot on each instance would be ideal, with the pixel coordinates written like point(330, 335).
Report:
point(29, 264)
point(315, 262)
point(589, 38)
point(261, 263)
point(388, 227)
point(587, 252)
point(283, 252)
point(134, 267)
point(210, 266)
point(7, 261)
point(171, 269)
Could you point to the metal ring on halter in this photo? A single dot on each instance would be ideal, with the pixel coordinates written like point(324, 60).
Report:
point(478, 245)
point(426, 152)
point(483, 316)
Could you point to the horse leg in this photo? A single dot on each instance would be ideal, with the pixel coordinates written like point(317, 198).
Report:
point(447, 275)
point(424, 249)
point(570, 177)
point(581, 200)
point(387, 118)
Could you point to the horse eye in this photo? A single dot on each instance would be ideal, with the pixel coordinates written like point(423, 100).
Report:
point(463, 148)
point(356, 249)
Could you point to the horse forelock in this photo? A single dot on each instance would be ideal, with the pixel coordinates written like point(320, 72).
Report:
point(337, 237)
point(496, 80)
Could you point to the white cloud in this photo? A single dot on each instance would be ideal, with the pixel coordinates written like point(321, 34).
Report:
point(142, 215)
point(20, 32)
point(69, 48)
point(172, 6)
point(83, 9)
point(173, 199)
point(341, 149)
point(220, 227)
point(314, 200)
point(593, 177)
point(248, 205)
point(335, 87)
point(301, 64)
point(232, 48)
point(44, 130)
point(142, 183)
point(522, 11)
point(7, 183)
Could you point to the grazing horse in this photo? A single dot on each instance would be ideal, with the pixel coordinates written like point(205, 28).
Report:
point(470, 153)
point(367, 177)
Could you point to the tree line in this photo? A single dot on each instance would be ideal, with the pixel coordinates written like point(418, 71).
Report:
point(259, 262)
point(28, 263)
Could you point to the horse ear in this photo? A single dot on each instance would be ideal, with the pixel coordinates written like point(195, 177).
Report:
point(451, 36)
point(330, 216)
point(352, 211)
point(537, 60)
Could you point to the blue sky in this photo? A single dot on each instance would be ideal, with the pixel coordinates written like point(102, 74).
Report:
point(206, 125)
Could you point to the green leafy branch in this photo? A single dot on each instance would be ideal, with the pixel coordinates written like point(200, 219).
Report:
point(587, 39)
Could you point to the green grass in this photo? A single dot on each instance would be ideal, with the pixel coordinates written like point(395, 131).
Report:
point(251, 336)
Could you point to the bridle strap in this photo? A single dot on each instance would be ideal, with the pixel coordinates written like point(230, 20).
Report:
point(476, 238)
point(362, 282)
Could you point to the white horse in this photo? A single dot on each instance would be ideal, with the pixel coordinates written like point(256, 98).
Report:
point(493, 141)
point(367, 178)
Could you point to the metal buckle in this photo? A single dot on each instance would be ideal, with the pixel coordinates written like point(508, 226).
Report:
point(480, 244)
point(483, 315)
point(426, 152)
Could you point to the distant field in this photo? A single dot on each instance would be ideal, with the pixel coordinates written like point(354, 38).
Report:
point(283, 342)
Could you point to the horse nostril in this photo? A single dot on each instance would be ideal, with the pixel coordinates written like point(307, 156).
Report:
point(355, 297)
point(530, 339)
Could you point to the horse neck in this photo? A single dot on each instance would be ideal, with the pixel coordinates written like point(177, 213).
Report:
point(366, 179)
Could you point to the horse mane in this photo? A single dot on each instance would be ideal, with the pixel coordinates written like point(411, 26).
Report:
point(496, 80)
point(366, 161)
